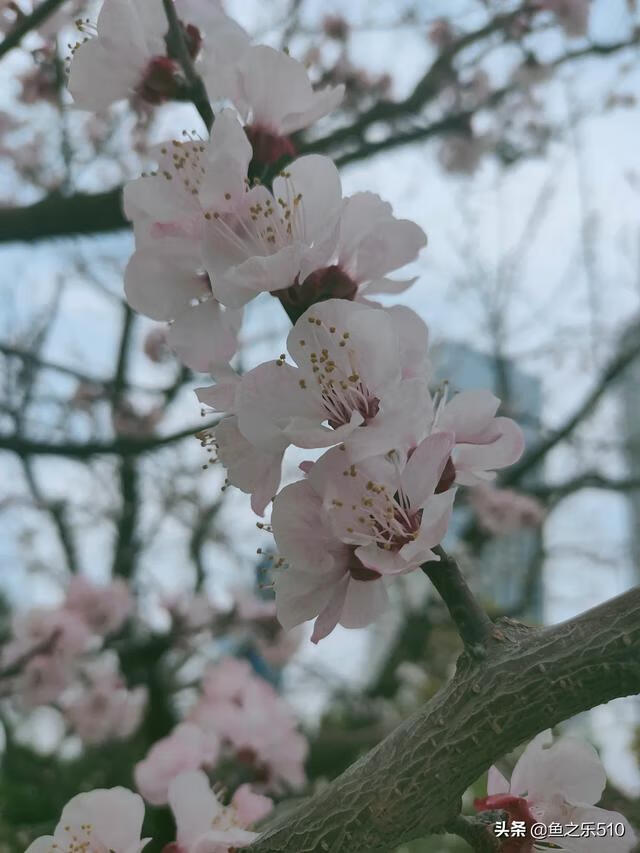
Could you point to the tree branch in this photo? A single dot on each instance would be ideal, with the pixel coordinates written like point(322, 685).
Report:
point(28, 23)
point(471, 620)
point(196, 91)
point(411, 784)
point(121, 446)
point(625, 355)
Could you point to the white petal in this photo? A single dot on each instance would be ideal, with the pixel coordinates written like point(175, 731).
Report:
point(364, 603)
point(162, 279)
point(330, 615)
point(568, 767)
point(194, 806)
point(496, 783)
point(469, 414)
point(301, 535)
point(505, 450)
point(115, 814)
point(205, 335)
point(316, 179)
point(425, 466)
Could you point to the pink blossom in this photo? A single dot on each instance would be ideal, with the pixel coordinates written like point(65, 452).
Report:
point(104, 608)
point(324, 579)
point(127, 56)
point(256, 240)
point(203, 824)
point(572, 15)
point(371, 244)
point(188, 747)
point(251, 719)
point(100, 820)
point(483, 442)
point(275, 98)
point(356, 381)
point(104, 708)
point(557, 782)
point(501, 511)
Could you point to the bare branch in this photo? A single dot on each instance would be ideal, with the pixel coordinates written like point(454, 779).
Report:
point(471, 620)
point(28, 23)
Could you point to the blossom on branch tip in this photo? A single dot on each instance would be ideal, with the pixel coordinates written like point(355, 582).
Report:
point(103, 819)
point(130, 54)
point(275, 98)
point(356, 380)
point(203, 824)
point(556, 782)
point(186, 748)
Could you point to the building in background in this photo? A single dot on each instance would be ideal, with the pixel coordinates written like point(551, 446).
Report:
point(508, 571)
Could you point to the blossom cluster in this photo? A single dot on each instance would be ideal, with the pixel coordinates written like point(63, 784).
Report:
point(239, 717)
point(58, 656)
point(225, 219)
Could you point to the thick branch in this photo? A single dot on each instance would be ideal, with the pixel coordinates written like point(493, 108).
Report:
point(411, 784)
point(471, 620)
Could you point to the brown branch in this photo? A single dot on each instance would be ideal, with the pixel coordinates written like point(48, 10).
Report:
point(616, 366)
point(411, 784)
point(121, 446)
point(59, 216)
point(27, 23)
point(196, 91)
point(471, 620)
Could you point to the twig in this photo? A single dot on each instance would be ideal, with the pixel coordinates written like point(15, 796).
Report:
point(476, 831)
point(177, 45)
point(28, 23)
point(472, 621)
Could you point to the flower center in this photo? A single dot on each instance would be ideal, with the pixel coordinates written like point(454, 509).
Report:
point(268, 147)
point(327, 283)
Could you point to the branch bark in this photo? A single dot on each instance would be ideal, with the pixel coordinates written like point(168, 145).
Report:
point(411, 784)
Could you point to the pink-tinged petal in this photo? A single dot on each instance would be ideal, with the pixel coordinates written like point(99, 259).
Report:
point(436, 515)
point(95, 84)
point(315, 179)
point(259, 274)
point(365, 601)
point(330, 615)
point(363, 340)
point(250, 807)
point(323, 102)
point(362, 212)
point(301, 596)
point(306, 433)
point(388, 246)
point(248, 468)
point(469, 414)
point(220, 397)
point(413, 336)
point(162, 279)
point(268, 398)
point(385, 285)
point(194, 806)
point(569, 814)
point(404, 410)
point(44, 844)
point(230, 153)
point(496, 783)
point(273, 91)
point(301, 536)
point(221, 840)
point(425, 466)
point(115, 815)
point(473, 459)
point(568, 767)
point(205, 335)
point(387, 563)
